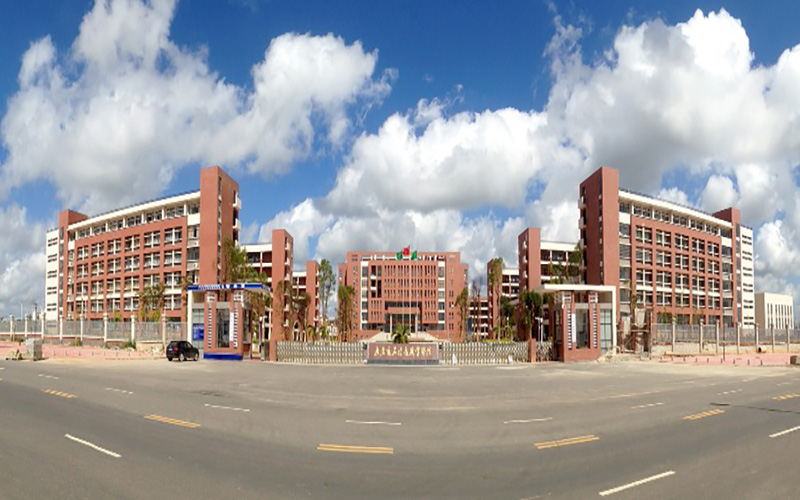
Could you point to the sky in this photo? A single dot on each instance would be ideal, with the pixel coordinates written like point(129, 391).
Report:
point(363, 125)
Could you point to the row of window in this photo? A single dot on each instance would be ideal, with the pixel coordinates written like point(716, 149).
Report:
point(668, 299)
point(682, 242)
point(672, 218)
point(136, 220)
point(131, 284)
point(152, 239)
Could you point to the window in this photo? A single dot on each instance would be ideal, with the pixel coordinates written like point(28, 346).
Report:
point(132, 263)
point(644, 277)
point(172, 236)
point(663, 238)
point(624, 230)
point(153, 216)
point(682, 281)
point(131, 284)
point(644, 256)
point(151, 280)
point(172, 258)
point(114, 266)
point(132, 243)
point(172, 212)
point(664, 279)
point(663, 259)
point(152, 260)
point(152, 239)
point(114, 247)
point(644, 234)
point(663, 298)
point(698, 283)
point(134, 220)
point(644, 298)
point(681, 242)
point(698, 264)
point(698, 246)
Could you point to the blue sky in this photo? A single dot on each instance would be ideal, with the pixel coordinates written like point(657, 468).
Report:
point(447, 125)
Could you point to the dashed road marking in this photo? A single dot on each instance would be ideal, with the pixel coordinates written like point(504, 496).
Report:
point(93, 446)
point(173, 421)
point(786, 396)
point(48, 376)
point(373, 422)
point(785, 383)
point(119, 390)
point(566, 442)
point(734, 391)
point(636, 483)
point(651, 405)
point(705, 414)
point(356, 449)
point(787, 431)
point(227, 408)
point(59, 393)
point(546, 419)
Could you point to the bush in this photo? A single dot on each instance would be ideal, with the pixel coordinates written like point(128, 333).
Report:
point(77, 343)
point(129, 345)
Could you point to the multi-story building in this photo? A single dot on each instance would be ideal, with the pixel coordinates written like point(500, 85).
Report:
point(774, 310)
point(306, 282)
point(420, 294)
point(670, 259)
point(539, 262)
point(274, 260)
point(100, 265)
point(479, 315)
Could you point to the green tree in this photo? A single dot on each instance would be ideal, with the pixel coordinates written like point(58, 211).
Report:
point(345, 311)
point(506, 316)
point(495, 280)
point(326, 280)
point(530, 304)
point(401, 334)
point(462, 302)
point(235, 266)
point(151, 303)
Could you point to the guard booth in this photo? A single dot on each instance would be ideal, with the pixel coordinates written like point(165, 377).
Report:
point(226, 326)
point(582, 320)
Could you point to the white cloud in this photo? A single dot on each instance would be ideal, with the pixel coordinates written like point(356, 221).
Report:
point(303, 221)
point(674, 195)
point(22, 261)
point(112, 121)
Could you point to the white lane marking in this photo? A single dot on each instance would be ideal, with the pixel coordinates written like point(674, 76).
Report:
point(48, 376)
point(729, 392)
point(2, 367)
point(376, 422)
point(227, 407)
point(546, 419)
point(785, 383)
point(118, 390)
point(636, 483)
point(510, 367)
point(646, 406)
point(93, 446)
point(787, 431)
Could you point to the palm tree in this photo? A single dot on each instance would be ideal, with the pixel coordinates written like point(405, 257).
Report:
point(462, 302)
point(530, 304)
point(401, 334)
point(326, 280)
point(495, 281)
point(506, 315)
point(345, 311)
point(151, 303)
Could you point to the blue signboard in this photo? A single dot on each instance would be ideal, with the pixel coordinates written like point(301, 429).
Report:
point(197, 331)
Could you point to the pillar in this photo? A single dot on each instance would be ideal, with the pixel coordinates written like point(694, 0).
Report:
point(105, 328)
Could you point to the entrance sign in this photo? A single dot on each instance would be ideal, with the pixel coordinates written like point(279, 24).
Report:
point(387, 352)
point(197, 331)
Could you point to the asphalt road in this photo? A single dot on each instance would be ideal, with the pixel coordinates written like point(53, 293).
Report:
point(152, 429)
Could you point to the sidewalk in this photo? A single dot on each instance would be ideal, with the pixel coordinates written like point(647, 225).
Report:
point(58, 351)
point(746, 359)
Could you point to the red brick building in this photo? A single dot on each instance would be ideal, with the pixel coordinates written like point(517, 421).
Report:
point(675, 261)
point(420, 293)
point(99, 265)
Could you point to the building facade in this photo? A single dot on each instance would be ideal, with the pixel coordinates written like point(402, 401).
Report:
point(100, 265)
point(774, 310)
point(674, 261)
point(420, 293)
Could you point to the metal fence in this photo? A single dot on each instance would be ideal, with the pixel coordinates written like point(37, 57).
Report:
point(321, 352)
point(118, 331)
point(688, 338)
point(545, 351)
point(175, 331)
point(71, 328)
point(480, 353)
point(5, 326)
point(51, 328)
point(93, 329)
point(148, 331)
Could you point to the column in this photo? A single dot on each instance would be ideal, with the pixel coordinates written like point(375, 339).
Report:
point(105, 328)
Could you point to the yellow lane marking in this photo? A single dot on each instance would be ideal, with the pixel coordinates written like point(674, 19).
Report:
point(173, 421)
point(786, 396)
point(566, 442)
point(59, 393)
point(356, 449)
point(705, 414)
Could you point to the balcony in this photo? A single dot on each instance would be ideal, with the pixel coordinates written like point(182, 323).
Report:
point(193, 243)
point(237, 204)
point(192, 266)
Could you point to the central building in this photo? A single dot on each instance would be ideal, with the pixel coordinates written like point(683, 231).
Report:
point(419, 290)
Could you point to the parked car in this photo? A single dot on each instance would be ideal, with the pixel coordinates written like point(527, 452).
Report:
point(182, 350)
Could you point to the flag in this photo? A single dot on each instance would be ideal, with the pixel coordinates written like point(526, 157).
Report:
point(414, 255)
point(407, 251)
point(399, 255)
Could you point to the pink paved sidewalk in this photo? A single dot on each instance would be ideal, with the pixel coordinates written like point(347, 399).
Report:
point(90, 352)
point(743, 359)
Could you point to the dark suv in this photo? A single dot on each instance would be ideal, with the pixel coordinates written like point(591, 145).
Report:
point(182, 350)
